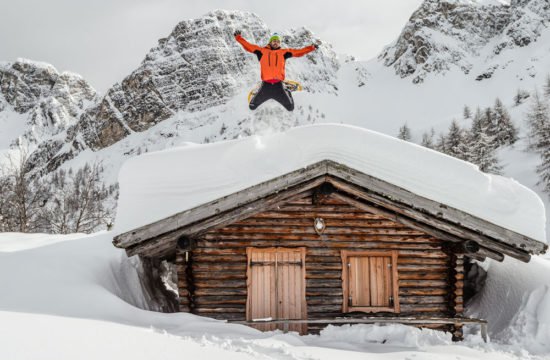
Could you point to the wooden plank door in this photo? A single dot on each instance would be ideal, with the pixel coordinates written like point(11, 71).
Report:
point(261, 302)
point(276, 286)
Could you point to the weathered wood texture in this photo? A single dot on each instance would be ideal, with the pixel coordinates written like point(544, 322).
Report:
point(220, 263)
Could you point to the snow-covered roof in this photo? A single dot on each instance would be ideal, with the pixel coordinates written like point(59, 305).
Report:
point(160, 184)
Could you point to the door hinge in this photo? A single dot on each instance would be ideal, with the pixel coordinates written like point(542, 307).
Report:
point(391, 301)
point(349, 301)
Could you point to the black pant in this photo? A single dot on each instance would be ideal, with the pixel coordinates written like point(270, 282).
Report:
point(276, 92)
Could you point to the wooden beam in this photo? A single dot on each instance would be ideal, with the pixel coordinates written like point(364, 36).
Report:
point(444, 229)
point(164, 245)
point(435, 209)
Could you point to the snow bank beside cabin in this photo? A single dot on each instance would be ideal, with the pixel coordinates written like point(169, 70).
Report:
point(516, 303)
point(156, 185)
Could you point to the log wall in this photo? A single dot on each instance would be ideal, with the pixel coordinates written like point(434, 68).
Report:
point(213, 279)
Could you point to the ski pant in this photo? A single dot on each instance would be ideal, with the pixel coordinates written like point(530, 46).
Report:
point(276, 92)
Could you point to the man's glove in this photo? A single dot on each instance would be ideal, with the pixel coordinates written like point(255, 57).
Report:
point(316, 44)
point(237, 32)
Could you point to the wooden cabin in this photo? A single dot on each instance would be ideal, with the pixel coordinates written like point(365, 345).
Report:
point(325, 244)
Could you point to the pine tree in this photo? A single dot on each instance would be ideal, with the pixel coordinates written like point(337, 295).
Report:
point(543, 169)
point(501, 126)
point(547, 87)
point(538, 118)
point(456, 142)
point(404, 133)
point(428, 139)
point(441, 144)
point(481, 146)
point(467, 112)
point(520, 97)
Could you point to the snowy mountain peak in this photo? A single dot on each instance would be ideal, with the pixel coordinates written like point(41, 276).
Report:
point(443, 35)
point(42, 101)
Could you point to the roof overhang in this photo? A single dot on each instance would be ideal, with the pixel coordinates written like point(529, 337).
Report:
point(159, 239)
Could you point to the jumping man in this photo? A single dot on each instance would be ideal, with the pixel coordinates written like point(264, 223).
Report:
point(272, 62)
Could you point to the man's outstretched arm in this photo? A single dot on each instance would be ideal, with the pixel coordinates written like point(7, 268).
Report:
point(245, 44)
point(303, 51)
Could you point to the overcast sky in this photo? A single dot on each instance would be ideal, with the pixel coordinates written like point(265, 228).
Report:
point(104, 40)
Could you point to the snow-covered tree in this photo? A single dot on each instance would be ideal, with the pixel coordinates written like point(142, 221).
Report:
point(467, 113)
point(428, 139)
point(547, 87)
point(441, 144)
point(538, 118)
point(23, 196)
point(520, 97)
point(481, 149)
point(456, 142)
point(404, 133)
point(501, 126)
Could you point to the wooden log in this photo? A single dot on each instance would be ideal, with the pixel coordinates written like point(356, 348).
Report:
point(423, 283)
point(324, 300)
point(422, 276)
point(356, 215)
point(220, 292)
point(244, 231)
point(422, 291)
point(201, 284)
point(220, 259)
point(219, 309)
point(333, 222)
point(217, 275)
point(421, 268)
point(214, 300)
point(401, 260)
point(297, 241)
point(323, 283)
point(419, 254)
point(319, 266)
point(214, 267)
point(300, 208)
point(214, 251)
point(324, 291)
point(324, 308)
point(315, 240)
point(324, 259)
point(423, 299)
point(419, 308)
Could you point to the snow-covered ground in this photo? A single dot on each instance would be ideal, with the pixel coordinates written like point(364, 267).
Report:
point(77, 297)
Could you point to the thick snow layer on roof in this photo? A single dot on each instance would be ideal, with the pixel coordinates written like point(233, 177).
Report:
point(157, 185)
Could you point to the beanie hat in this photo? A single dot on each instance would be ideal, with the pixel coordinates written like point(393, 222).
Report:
point(275, 36)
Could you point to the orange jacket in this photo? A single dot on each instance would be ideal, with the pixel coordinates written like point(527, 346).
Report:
point(272, 62)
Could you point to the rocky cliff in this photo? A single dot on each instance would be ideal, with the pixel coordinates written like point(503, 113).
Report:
point(443, 34)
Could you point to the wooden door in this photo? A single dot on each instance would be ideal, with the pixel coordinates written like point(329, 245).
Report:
point(370, 281)
point(276, 286)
